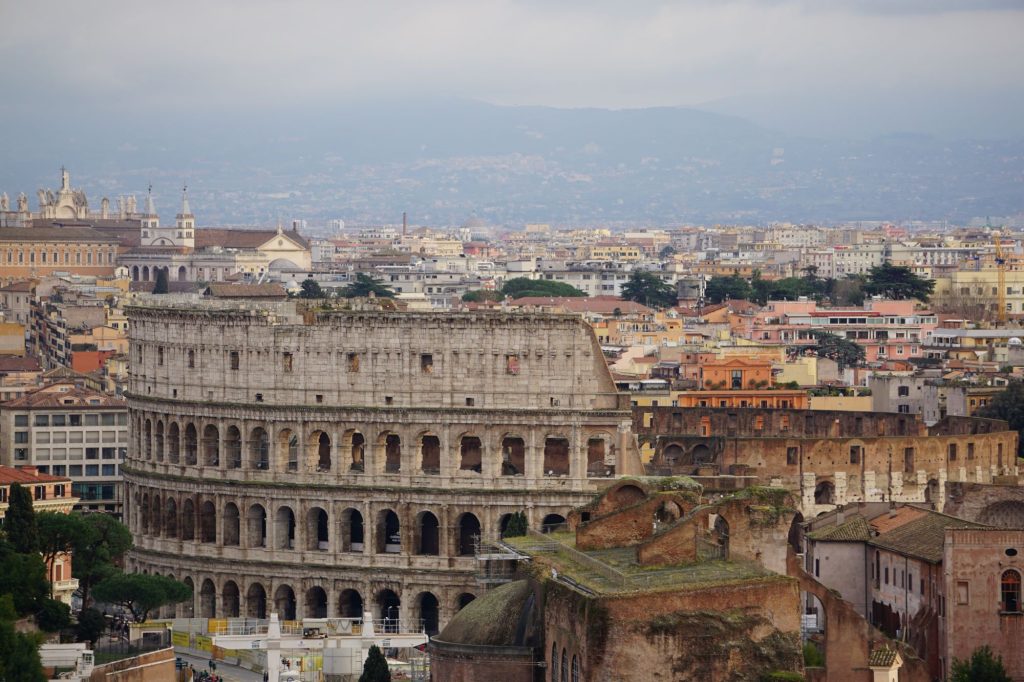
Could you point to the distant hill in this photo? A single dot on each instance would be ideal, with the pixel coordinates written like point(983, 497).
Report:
point(443, 160)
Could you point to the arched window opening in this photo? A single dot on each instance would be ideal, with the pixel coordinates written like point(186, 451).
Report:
point(208, 522)
point(464, 599)
point(284, 528)
point(513, 456)
point(211, 445)
point(575, 668)
point(316, 603)
point(207, 600)
point(191, 445)
point(392, 454)
point(173, 443)
point(233, 446)
point(171, 519)
point(188, 519)
point(159, 441)
point(147, 440)
point(556, 457)
point(256, 601)
point(596, 455)
point(470, 454)
point(284, 602)
point(430, 455)
point(317, 530)
point(430, 613)
point(229, 597)
point(1010, 592)
point(825, 493)
point(389, 607)
point(256, 521)
point(231, 525)
point(553, 522)
point(358, 447)
point(389, 540)
point(350, 604)
point(469, 533)
point(429, 535)
point(259, 449)
point(351, 531)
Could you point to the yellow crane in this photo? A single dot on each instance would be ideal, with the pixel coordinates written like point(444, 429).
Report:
point(1001, 279)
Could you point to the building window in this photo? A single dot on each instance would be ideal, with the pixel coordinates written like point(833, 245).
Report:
point(191, 359)
point(234, 359)
point(908, 459)
point(903, 391)
point(970, 451)
point(903, 409)
point(353, 362)
point(287, 361)
point(791, 456)
point(427, 363)
point(952, 452)
point(886, 575)
point(1010, 592)
point(512, 364)
point(160, 356)
point(854, 454)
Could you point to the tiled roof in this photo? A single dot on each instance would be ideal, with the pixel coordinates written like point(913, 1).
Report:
point(24, 286)
point(229, 290)
point(54, 234)
point(604, 305)
point(922, 536)
point(13, 363)
point(73, 397)
point(242, 239)
point(854, 529)
point(882, 657)
point(9, 475)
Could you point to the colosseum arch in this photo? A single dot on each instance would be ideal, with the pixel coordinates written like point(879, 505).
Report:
point(207, 599)
point(157, 516)
point(288, 450)
point(350, 604)
point(171, 518)
point(556, 456)
point(211, 446)
point(553, 522)
point(389, 540)
point(513, 455)
point(259, 449)
point(233, 447)
point(599, 446)
point(317, 530)
point(389, 452)
point(825, 493)
point(351, 530)
point(230, 599)
point(159, 440)
point(388, 606)
point(256, 526)
point(316, 603)
point(284, 528)
point(668, 512)
point(428, 610)
point(191, 445)
point(232, 530)
point(1003, 514)
point(188, 519)
point(471, 452)
point(145, 273)
point(147, 440)
point(318, 452)
point(188, 606)
point(468, 529)
point(144, 517)
point(627, 495)
point(173, 443)
point(430, 453)
point(427, 534)
point(464, 600)
point(207, 522)
point(284, 602)
point(357, 450)
point(256, 601)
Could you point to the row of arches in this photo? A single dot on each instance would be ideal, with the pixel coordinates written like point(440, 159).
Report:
point(254, 527)
point(316, 452)
point(145, 274)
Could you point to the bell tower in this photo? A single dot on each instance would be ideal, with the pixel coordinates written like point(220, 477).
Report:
point(185, 223)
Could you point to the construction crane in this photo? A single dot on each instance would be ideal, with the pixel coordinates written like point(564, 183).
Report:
point(1001, 279)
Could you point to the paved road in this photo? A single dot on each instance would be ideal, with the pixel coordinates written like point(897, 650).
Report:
point(230, 673)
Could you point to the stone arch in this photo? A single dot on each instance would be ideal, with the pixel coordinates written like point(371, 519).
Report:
point(350, 604)
point(316, 602)
point(553, 522)
point(389, 452)
point(256, 601)
point(471, 453)
point(931, 491)
point(256, 524)
point(814, 621)
point(463, 600)
point(187, 519)
point(157, 516)
point(233, 447)
point(389, 529)
point(720, 535)
point(284, 602)
point(288, 449)
point(207, 522)
point(427, 534)
point(144, 516)
point(429, 612)
point(232, 529)
point(230, 599)
point(317, 530)
point(357, 450)
point(351, 530)
point(513, 455)
point(135, 273)
point(389, 607)
point(147, 440)
point(503, 522)
point(556, 456)
point(211, 446)
point(259, 449)
point(191, 445)
point(159, 440)
point(188, 607)
point(598, 448)
point(173, 443)
point(318, 451)
point(171, 518)
point(284, 528)
point(673, 455)
point(667, 512)
point(627, 495)
point(430, 453)
point(825, 493)
point(796, 533)
point(701, 454)
point(145, 273)
point(1003, 514)
point(182, 274)
point(468, 528)
point(207, 600)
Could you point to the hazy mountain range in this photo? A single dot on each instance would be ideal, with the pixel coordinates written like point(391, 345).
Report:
point(445, 160)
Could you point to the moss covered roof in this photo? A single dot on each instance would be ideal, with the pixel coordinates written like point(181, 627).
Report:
point(493, 619)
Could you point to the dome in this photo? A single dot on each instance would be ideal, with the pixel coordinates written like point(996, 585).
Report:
point(1014, 341)
point(501, 617)
point(282, 264)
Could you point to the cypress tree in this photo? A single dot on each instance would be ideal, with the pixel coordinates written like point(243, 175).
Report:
point(20, 521)
point(375, 669)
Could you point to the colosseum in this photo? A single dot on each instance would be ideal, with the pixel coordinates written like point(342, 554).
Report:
point(323, 462)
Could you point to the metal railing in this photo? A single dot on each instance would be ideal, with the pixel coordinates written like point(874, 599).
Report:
point(116, 651)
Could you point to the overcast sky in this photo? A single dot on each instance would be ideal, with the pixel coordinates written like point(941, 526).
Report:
point(219, 54)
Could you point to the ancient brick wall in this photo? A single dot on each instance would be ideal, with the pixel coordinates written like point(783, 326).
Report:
point(156, 666)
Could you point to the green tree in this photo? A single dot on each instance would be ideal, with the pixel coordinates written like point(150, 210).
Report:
point(375, 668)
point(102, 543)
point(19, 651)
point(311, 289)
point(846, 353)
point(517, 525)
point(733, 287)
point(57, 535)
point(481, 295)
point(141, 593)
point(23, 576)
point(20, 520)
point(364, 285)
point(91, 625)
point(1008, 405)
point(667, 251)
point(896, 282)
point(521, 287)
point(162, 286)
point(983, 666)
point(53, 616)
point(847, 291)
point(648, 289)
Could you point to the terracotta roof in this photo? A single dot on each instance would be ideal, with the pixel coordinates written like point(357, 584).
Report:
point(242, 239)
point(9, 475)
point(73, 397)
point(603, 305)
point(922, 536)
point(54, 234)
point(24, 286)
point(896, 518)
point(882, 657)
point(852, 530)
point(14, 363)
point(229, 290)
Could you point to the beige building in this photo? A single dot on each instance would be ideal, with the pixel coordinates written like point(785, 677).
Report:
point(347, 460)
point(64, 430)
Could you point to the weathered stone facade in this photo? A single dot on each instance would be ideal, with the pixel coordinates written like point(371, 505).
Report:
point(828, 458)
point(320, 463)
